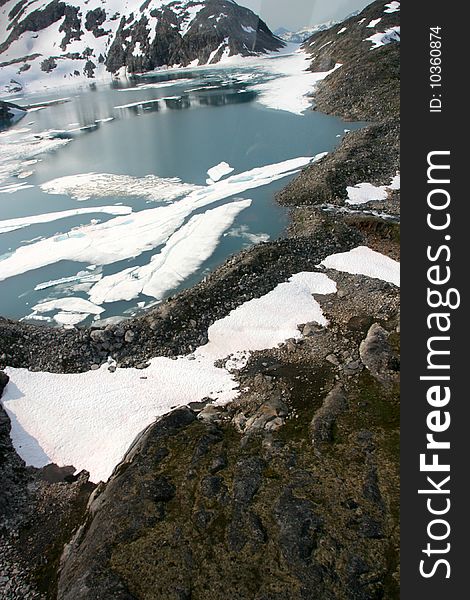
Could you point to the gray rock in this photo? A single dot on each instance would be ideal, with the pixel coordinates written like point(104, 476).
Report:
point(321, 427)
point(376, 353)
point(129, 336)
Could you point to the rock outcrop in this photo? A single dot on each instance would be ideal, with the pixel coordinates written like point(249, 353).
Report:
point(366, 87)
point(291, 491)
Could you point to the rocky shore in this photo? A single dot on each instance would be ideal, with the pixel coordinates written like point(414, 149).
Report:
point(292, 490)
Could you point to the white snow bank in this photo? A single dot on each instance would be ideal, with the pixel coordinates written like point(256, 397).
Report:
point(128, 236)
point(374, 22)
point(366, 192)
point(265, 322)
point(90, 419)
point(219, 171)
point(292, 85)
point(364, 261)
point(392, 7)
point(383, 38)
point(13, 224)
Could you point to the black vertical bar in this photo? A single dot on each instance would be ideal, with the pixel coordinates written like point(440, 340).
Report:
point(424, 131)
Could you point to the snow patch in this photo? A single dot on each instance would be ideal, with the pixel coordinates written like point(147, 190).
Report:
point(90, 419)
point(364, 261)
point(265, 322)
point(384, 38)
point(366, 192)
point(392, 7)
point(292, 84)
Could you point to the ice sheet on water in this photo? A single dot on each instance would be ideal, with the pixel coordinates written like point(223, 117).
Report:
point(103, 185)
point(127, 236)
point(216, 173)
point(182, 255)
point(12, 224)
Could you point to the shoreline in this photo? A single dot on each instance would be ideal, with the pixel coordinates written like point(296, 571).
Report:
point(310, 443)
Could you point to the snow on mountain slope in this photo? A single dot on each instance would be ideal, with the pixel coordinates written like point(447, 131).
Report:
point(57, 40)
point(297, 37)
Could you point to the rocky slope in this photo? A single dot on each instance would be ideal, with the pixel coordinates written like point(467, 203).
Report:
point(291, 491)
point(57, 40)
point(366, 87)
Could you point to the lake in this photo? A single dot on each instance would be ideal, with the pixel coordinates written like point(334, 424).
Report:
point(126, 167)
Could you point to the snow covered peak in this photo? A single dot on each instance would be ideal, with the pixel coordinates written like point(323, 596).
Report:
point(69, 39)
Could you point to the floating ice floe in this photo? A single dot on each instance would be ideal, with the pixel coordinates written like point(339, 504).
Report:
point(182, 255)
point(14, 187)
point(128, 236)
point(156, 85)
point(384, 38)
point(145, 102)
point(20, 147)
point(364, 261)
point(13, 224)
point(366, 192)
point(68, 311)
point(80, 277)
point(79, 305)
point(104, 120)
point(244, 232)
point(103, 185)
point(216, 173)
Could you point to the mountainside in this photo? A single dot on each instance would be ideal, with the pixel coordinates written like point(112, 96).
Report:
point(366, 87)
point(87, 38)
point(297, 37)
point(292, 489)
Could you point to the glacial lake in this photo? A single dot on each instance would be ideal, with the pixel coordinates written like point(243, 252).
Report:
point(97, 149)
